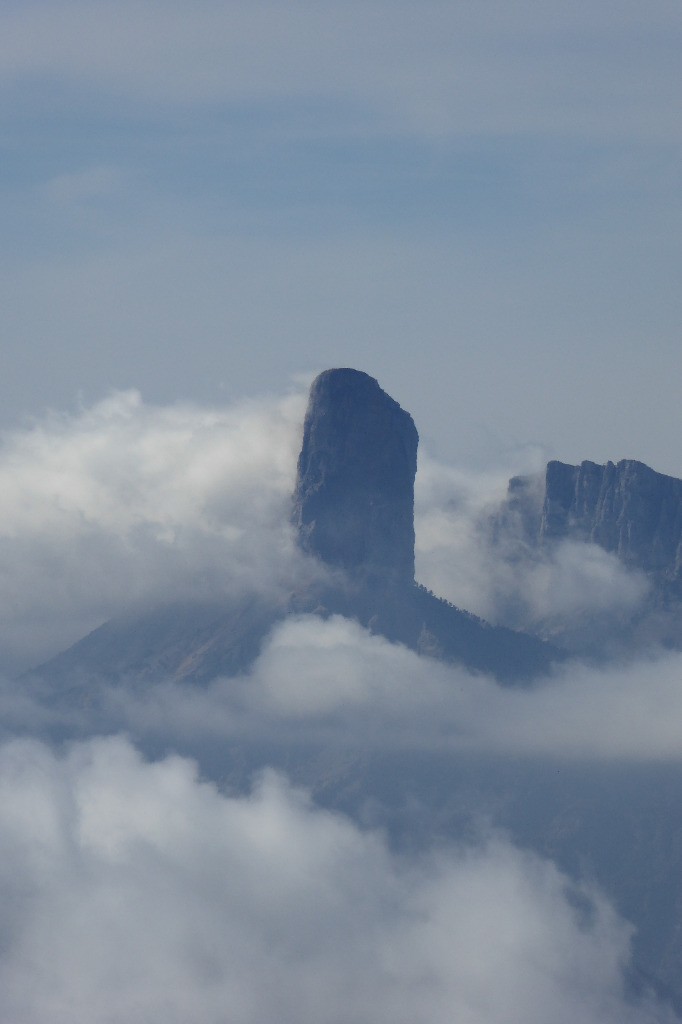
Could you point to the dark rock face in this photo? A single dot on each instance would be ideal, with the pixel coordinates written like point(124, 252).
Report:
point(354, 497)
point(626, 508)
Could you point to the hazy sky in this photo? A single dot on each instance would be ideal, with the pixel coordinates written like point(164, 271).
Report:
point(476, 202)
point(203, 205)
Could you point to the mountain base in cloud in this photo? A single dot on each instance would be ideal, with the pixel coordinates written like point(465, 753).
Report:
point(353, 509)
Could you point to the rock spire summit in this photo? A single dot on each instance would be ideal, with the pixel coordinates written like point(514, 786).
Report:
point(354, 496)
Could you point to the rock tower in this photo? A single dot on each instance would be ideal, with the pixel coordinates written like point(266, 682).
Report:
point(354, 496)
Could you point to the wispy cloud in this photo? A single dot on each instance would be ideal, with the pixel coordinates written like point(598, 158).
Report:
point(91, 184)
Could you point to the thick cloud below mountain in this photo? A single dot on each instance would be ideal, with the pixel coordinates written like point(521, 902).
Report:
point(334, 675)
point(332, 682)
point(135, 892)
point(128, 503)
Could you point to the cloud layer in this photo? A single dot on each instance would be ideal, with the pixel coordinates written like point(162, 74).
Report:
point(334, 674)
point(126, 503)
point(134, 892)
point(331, 682)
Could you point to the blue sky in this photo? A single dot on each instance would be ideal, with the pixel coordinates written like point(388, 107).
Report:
point(478, 203)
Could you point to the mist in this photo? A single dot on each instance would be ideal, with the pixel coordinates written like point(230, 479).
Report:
point(145, 875)
point(126, 503)
point(135, 891)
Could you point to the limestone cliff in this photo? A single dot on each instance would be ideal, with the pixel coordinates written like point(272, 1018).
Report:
point(354, 495)
point(626, 508)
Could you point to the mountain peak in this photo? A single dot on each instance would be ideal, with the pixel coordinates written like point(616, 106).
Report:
point(354, 495)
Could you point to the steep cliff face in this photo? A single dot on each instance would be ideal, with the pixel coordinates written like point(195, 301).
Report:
point(354, 496)
point(354, 510)
point(627, 509)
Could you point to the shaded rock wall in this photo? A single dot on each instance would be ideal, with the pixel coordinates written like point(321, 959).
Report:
point(627, 509)
point(354, 496)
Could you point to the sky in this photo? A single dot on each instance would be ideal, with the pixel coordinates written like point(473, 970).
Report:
point(476, 203)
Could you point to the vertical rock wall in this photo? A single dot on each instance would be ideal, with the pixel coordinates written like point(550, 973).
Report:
point(626, 508)
point(354, 497)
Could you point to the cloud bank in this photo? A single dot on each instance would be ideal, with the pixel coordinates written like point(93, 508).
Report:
point(125, 503)
point(135, 892)
point(335, 674)
point(332, 683)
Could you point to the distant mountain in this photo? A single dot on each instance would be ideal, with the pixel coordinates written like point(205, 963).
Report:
point(626, 509)
point(353, 510)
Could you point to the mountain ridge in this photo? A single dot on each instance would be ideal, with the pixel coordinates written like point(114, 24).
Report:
point(626, 508)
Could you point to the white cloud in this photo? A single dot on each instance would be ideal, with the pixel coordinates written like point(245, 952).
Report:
point(134, 892)
point(332, 683)
point(334, 676)
point(126, 502)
